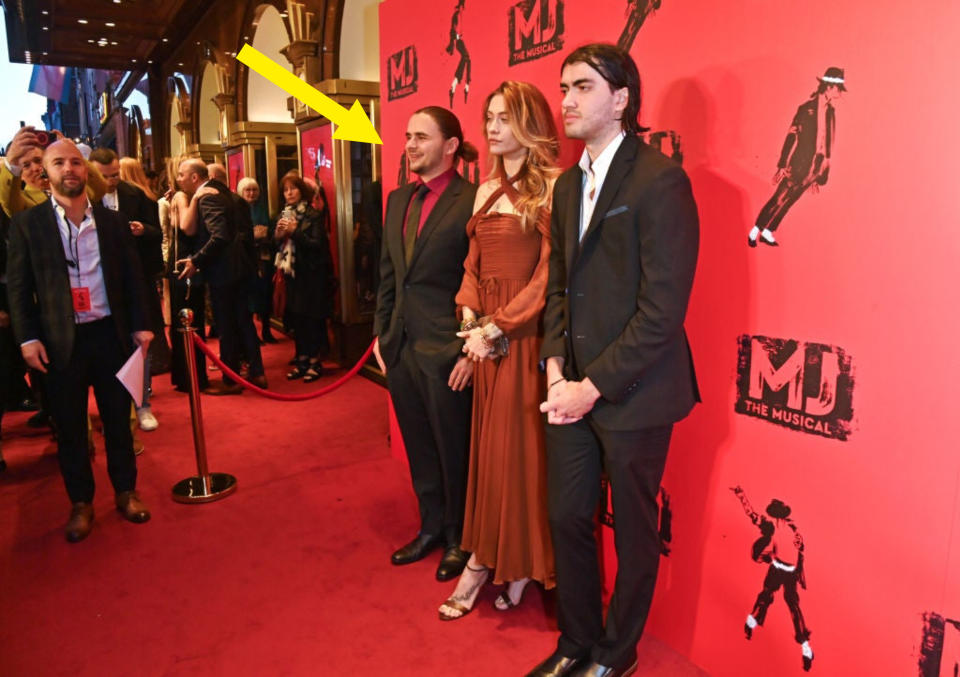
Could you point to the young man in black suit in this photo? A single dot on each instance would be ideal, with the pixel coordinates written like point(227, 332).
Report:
point(421, 268)
point(619, 370)
point(226, 270)
point(76, 298)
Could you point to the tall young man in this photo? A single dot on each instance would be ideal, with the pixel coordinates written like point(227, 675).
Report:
point(619, 370)
point(421, 268)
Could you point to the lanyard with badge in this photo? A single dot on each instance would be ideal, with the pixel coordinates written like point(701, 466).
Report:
point(80, 293)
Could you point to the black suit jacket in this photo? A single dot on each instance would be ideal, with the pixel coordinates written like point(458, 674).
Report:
point(417, 303)
point(221, 258)
point(616, 301)
point(38, 285)
point(134, 204)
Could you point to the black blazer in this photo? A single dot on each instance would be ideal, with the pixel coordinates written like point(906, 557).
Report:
point(38, 285)
point(136, 206)
point(419, 303)
point(221, 257)
point(616, 301)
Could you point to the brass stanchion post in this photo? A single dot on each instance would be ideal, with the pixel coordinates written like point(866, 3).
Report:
point(207, 486)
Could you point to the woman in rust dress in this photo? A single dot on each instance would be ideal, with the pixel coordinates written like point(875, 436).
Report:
point(501, 301)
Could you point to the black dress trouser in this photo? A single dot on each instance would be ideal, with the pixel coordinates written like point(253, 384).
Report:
point(435, 423)
point(231, 313)
point(634, 462)
point(97, 356)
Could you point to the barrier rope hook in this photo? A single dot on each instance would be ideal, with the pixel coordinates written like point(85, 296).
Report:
point(206, 486)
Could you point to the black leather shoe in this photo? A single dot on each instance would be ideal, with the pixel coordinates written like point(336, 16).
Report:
point(555, 665)
point(751, 242)
point(416, 550)
point(597, 670)
point(452, 563)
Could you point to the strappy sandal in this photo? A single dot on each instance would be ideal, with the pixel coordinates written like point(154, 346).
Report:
point(454, 603)
point(297, 372)
point(312, 373)
point(503, 602)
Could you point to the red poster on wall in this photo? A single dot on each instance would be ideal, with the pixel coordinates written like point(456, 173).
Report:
point(235, 167)
point(812, 495)
point(316, 162)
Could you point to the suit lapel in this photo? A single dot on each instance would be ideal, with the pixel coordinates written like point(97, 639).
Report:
point(619, 168)
point(48, 239)
point(446, 201)
point(395, 231)
point(571, 225)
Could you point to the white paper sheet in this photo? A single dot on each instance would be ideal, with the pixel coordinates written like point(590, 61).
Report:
point(131, 376)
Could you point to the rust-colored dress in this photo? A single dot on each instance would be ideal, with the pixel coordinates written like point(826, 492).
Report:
point(505, 277)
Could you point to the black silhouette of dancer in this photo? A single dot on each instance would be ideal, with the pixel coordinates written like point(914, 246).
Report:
point(805, 158)
point(785, 558)
point(637, 13)
point(456, 41)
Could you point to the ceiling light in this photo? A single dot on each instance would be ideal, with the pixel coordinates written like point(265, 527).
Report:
point(44, 12)
point(110, 24)
point(179, 63)
point(46, 28)
point(113, 42)
point(165, 40)
point(149, 60)
point(82, 21)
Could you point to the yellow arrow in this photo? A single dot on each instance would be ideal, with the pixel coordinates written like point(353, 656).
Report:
point(351, 125)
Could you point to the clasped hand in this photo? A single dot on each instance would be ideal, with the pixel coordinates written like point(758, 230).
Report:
point(569, 401)
point(475, 347)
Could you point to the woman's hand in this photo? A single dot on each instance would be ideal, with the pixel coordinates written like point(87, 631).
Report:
point(476, 347)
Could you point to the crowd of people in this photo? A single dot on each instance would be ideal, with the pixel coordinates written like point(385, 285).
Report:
point(541, 292)
point(531, 329)
point(70, 316)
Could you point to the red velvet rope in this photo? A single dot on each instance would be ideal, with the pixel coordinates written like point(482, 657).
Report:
point(279, 396)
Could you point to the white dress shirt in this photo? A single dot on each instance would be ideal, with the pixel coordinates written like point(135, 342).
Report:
point(111, 201)
point(82, 250)
point(594, 174)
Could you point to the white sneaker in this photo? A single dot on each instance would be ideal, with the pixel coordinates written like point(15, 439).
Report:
point(147, 420)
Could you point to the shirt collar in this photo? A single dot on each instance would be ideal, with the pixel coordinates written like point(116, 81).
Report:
point(438, 184)
point(600, 166)
point(62, 213)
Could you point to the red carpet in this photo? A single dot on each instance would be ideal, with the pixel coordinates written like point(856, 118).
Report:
point(289, 576)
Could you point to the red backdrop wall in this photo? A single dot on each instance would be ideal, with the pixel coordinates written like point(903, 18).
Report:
point(862, 279)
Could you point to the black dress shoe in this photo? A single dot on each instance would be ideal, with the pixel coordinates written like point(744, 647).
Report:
point(597, 670)
point(452, 563)
point(555, 665)
point(416, 550)
point(751, 242)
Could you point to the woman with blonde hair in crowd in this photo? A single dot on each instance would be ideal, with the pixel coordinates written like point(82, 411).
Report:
point(131, 171)
point(501, 302)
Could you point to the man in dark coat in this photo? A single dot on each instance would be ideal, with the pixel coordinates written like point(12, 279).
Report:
point(226, 269)
point(624, 237)
point(421, 268)
point(77, 302)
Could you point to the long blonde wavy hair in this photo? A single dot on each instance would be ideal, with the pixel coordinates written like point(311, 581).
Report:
point(131, 171)
point(531, 121)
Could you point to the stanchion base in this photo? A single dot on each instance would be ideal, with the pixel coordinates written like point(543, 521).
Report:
point(191, 490)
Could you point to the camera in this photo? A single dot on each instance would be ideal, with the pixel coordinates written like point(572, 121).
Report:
point(44, 139)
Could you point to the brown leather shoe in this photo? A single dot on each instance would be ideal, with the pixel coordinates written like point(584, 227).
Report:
point(223, 389)
point(80, 522)
point(259, 381)
point(131, 507)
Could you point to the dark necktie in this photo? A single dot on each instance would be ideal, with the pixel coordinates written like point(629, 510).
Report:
point(413, 222)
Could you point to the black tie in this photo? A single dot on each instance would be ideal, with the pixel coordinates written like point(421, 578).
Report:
point(413, 222)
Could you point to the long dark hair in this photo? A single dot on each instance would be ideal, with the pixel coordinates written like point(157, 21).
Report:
point(618, 68)
point(450, 127)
